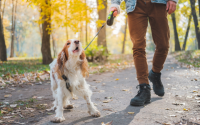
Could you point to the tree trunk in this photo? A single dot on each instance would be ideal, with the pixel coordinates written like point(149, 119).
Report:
point(125, 27)
point(54, 45)
point(86, 42)
point(199, 8)
point(3, 54)
point(187, 32)
point(66, 19)
point(102, 16)
point(3, 9)
point(12, 31)
point(177, 44)
point(197, 31)
point(46, 49)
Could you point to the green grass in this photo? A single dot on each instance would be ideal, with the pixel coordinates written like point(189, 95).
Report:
point(22, 66)
point(26, 65)
point(191, 57)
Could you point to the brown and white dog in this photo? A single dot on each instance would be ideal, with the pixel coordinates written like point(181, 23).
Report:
point(72, 63)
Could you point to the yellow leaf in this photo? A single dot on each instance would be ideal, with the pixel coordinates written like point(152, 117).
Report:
point(131, 113)
point(6, 96)
point(125, 90)
point(185, 109)
point(117, 79)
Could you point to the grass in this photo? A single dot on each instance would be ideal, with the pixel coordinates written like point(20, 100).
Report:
point(191, 57)
point(25, 65)
point(22, 66)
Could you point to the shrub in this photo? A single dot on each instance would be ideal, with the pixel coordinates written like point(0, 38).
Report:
point(96, 53)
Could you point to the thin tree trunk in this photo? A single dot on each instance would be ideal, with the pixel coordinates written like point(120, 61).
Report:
point(3, 53)
point(54, 45)
point(12, 30)
point(102, 17)
point(197, 31)
point(86, 23)
point(177, 44)
point(199, 8)
point(3, 9)
point(187, 32)
point(46, 49)
point(125, 27)
point(66, 19)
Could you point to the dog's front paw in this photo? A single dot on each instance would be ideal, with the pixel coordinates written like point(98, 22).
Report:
point(94, 113)
point(68, 107)
point(58, 119)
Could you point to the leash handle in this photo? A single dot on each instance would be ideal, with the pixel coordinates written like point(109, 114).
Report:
point(95, 36)
point(110, 18)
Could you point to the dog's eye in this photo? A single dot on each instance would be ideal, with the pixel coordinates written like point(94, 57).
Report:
point(68, 43)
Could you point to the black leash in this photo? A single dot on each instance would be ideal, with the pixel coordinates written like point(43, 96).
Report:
point(95, 36)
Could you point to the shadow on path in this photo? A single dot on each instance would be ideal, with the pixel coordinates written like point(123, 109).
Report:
point(118, 118)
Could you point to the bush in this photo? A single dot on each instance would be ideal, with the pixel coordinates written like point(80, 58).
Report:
point(96, 53)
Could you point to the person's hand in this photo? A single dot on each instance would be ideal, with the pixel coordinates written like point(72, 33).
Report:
point(171, 6)
point(115, 11)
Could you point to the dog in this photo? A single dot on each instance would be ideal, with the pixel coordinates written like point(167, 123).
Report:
point(67, 75)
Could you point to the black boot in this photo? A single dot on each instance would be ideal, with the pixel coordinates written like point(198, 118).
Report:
point(143, 96)
point(157, 84)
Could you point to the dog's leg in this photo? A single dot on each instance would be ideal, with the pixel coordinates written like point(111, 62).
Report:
point(59, 111)
point(67, 104)
point(86, 93)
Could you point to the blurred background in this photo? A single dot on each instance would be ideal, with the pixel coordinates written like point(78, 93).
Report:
point(39, 28)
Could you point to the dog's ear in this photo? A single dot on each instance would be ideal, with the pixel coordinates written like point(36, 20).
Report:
point(61, 60)
point(84, 64)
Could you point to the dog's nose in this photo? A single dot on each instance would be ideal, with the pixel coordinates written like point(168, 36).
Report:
point(76, 41)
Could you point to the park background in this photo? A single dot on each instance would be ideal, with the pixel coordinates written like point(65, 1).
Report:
point(34, 28)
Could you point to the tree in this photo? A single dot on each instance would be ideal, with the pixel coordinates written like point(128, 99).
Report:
point(3, 54)
point(46, 25)
point(14, 10)
point(125, 27)
point(197, 31)
point(102, 12)
point(176, 39)
point(187, 32)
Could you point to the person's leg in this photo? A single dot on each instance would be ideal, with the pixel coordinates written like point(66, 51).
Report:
point(160, 32)
point(138, 22)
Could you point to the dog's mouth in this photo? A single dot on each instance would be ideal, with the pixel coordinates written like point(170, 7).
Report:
point(76, 50)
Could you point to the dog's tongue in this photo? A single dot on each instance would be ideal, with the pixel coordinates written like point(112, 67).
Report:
point(76, 50)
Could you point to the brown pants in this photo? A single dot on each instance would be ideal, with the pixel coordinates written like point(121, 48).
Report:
point(138, 22)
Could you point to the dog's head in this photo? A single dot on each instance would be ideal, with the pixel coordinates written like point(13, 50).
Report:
point(72, 49)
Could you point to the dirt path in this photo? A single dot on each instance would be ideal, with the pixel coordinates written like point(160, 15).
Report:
point(179, 105)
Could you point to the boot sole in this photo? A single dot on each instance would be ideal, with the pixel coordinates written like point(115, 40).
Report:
point(140, 104)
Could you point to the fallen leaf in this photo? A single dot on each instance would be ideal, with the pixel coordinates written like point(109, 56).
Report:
point(107, 101)
point(108, 97)
point(185, 109)
point(50, 113)
point(109, 123)
point(131, 113)
point(117, 79)
point(125, 90)
point(167, 109)
point(13, 105)
point(108, 109)
point(7, 117)
point(195, 91)
point(167, 123)
point(6, 96)
point(3, 112)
